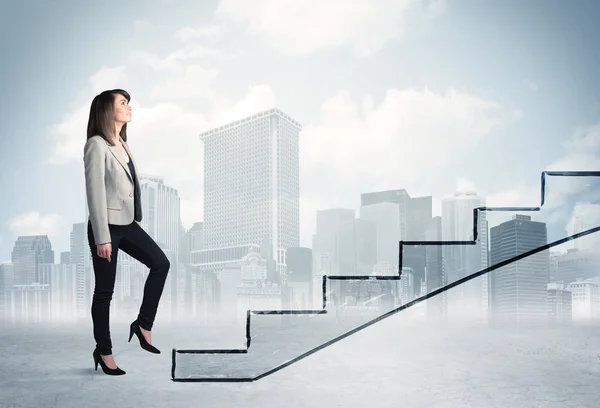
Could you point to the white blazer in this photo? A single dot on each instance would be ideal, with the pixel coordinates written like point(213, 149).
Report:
point(109, 188)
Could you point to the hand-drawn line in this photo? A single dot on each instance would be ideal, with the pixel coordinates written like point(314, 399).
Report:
point(387, 277)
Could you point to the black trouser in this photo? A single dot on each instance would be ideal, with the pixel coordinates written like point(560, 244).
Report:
point(134, 241)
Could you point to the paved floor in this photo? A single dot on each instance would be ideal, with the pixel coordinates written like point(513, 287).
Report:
point(391, 364)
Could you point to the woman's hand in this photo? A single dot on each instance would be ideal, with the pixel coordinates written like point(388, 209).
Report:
point(105, 250)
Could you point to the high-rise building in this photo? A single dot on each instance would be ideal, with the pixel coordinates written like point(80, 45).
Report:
point(399, 197)
point(80, 256)
point(192, 241)
point(386, 217)
point(27, 255)
point(251, 185)
point(420, 211)
point(356, 247)
point(585, 299)
point(577, 264)
point(300, 278)
point(414, 216)
point(7, 280)
point(434, 271)
point(519, 289)
point(470, 299)
point(62, 281)
point(559, 303)
point(161, 210)
point(324, 242)
point(300, 264)
point(28, 303)
point(195, 237)
point(161, 219)
point(553, 268)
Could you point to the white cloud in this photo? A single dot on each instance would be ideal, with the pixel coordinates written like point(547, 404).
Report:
point(465, 185)
point(301, 27)
point(34, 223)
point(186, 73)
point(203, 32)
point(188, 54)
point(164, 139)
point(192, 81)
point(257, 98)
point(107, 78)
point(585, 143)
point(68, 136)
point(387, 143)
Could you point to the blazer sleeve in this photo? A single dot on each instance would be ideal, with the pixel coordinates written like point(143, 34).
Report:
point(94, 160)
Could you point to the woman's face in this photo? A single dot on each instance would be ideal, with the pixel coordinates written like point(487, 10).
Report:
point(122, 110)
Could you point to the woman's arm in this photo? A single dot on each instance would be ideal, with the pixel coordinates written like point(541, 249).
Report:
point(94, 162)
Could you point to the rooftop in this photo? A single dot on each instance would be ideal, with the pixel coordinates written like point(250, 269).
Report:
point(269, 112)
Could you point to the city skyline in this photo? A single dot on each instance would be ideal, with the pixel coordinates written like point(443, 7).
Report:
point(161, 203)
point(573, 221)
point(586, 218)
point(573, 271)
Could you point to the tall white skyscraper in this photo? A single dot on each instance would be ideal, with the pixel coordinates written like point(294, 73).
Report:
point(251, 187)
point(469, 300)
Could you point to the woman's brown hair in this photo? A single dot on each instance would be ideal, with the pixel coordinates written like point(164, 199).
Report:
point(101, 121)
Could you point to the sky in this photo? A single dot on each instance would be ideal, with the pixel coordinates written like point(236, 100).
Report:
point(427, 95)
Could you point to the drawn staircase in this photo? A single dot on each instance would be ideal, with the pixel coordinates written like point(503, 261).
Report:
point(273, 344)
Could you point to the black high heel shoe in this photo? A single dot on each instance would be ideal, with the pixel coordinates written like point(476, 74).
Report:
point(108, 371)
point(135, 329)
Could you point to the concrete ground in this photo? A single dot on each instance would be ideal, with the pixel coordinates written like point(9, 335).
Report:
point(394, 363)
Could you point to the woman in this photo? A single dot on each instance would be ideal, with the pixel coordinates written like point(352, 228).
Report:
point(113, 198)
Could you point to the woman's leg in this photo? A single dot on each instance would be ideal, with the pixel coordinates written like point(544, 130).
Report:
point(104, 273)
point(139, 245)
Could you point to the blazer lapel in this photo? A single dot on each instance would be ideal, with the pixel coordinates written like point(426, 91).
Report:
point(125, 166)
point(130, 157)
